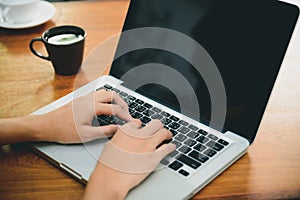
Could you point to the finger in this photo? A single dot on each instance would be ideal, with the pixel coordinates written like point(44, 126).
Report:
point(110, 97)
point(109, 130)
point(91, 133)
point(159, 137)
point(101, 95)
point(163, 151)
point(151, 128)
point(137, 122)
point(112, 109)
point(131, 128)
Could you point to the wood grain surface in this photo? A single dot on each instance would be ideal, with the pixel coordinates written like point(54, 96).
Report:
point(270, 169)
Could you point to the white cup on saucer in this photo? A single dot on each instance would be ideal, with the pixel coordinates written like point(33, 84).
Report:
point(18, 11)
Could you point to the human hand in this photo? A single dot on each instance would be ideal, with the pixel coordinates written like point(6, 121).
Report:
point(72, 122)
point(127, 159)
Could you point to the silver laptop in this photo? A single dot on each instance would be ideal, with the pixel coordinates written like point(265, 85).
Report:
point(206, 69)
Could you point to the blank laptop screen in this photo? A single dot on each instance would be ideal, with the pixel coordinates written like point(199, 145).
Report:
point(247, 41)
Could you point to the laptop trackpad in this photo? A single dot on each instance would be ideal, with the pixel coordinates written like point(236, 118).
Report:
point(81, 158)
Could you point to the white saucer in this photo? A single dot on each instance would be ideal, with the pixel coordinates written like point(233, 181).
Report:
point(45, 13)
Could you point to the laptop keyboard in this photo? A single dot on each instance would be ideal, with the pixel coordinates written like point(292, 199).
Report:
point(195, 146)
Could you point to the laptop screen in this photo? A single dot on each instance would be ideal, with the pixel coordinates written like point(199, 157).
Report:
point(247, 41)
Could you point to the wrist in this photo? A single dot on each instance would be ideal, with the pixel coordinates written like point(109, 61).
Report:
point(34, 128)
point(104, 184)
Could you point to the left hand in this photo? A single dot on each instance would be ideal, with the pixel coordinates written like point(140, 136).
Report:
point(72, 122)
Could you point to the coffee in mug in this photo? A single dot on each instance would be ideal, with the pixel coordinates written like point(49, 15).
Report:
point(65, 46)
point(64, 39)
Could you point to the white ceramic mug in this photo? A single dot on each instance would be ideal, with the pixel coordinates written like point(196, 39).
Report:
point(18, 11)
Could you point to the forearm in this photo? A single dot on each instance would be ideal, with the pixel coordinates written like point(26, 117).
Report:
point(104, 185)
point(22, 129)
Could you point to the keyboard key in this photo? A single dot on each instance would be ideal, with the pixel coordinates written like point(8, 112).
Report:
point(173, 132)
point(123, 94)
point(165, 114)
point(96, 121)
point(131, 111)
point(140, 108)
point(101, 88)
point(193, 134)
point(132, 98)
point(157, 116)
point(202, 139)
point(200, 147)
point(148, 113)
point(155, 109)
point(103, 117)
point(188, 161)
point(213, 137)
point(164, 162)
point(203, 132)
point(175, 165)
point(166, 121)
point(183, 130)
point(116, 90)
point(183, 123)
point(102, 123)
point(174, 125)
point(198, 156)
point(107, 86)
point(180, 137)
point(147, 105)
point(184, 149)
point(192, 127)
point(183, 172)
point(119, 121)
point(178, 144)
point(215, 146)
point(210, 152)
point(127, 101)
point(110, 120)
point(145, 119)
point(221, 141)
point(173, 153)
point(136, 115)
point(190, 142)
point(174, 118)
point(132, 105)
point(139, 101)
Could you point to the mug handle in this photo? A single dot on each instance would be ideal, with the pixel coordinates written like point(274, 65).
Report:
point(34, 51)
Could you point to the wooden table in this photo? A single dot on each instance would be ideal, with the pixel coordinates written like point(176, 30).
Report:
point(270, 170)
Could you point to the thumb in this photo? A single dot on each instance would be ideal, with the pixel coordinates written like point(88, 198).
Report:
point(96, 132)
point(163, 151)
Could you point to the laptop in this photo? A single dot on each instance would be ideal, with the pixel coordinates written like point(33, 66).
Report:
point(206, 69)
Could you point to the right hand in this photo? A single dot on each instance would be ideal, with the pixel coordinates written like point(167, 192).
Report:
point(129, 138)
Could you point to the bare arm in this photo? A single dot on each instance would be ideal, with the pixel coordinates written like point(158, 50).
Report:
point(22, 129)
point(72, 124)
point(68, 124)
